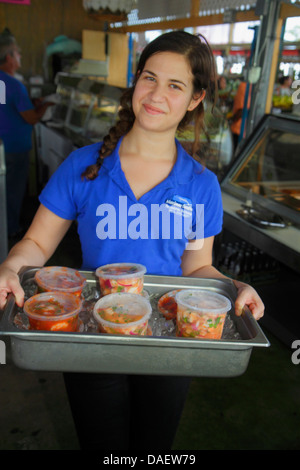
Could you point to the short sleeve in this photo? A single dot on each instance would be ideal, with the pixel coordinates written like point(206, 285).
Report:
point(58, 194)
point(213, 212)
point(209, 209)
point(21, 98)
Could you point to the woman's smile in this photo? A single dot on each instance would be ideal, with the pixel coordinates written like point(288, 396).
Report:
point(152, 109)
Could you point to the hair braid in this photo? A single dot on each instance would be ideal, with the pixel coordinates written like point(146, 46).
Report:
point(123, 125)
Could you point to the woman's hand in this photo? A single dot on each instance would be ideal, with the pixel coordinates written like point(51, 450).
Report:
point(248, 296)
point(9, 283)
point(38, 244)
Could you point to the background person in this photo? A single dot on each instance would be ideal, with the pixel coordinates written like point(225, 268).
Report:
point(237, 111)
point(17, 116)
point(140, 159)
point(285, 86)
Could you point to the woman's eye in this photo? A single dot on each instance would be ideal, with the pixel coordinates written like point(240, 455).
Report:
point(175, 87)
point(149, 78)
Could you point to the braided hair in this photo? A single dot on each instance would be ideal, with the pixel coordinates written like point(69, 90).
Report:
point(200, 57)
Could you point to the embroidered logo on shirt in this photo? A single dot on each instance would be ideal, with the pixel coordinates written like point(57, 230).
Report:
point(180, 205)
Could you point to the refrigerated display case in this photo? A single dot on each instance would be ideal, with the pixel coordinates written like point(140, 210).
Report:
point(84, 106)
point(216, 144)
point(261, 199)
point(83, 113)
point(261, 190)
point(65, 86)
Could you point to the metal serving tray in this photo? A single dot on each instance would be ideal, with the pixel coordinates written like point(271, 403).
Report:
point(155, 355)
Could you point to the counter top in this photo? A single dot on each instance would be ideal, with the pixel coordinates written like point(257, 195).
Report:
point(282, 244)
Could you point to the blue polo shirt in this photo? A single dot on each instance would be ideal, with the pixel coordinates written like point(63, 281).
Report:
point(14, 130)
point(114, 226)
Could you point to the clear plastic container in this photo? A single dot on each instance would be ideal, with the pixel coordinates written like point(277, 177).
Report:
point(201, 313)
point(167, 305)
point(53, 311)
point(121, 277)
point(123, 313)
point(59, 279)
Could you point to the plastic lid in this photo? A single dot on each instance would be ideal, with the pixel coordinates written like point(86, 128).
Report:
point(52, 306)
point(123, 304)
point(56, 278)
point(203, 301)
point(120, 270)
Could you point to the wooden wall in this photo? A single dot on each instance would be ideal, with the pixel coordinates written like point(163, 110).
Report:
point(35, 26)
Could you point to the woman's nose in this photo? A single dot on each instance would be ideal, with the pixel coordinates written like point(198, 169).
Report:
point(158, 93)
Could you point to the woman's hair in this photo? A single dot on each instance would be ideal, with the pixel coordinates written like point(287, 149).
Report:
point(202, 63)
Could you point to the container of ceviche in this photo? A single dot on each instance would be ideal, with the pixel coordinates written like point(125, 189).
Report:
point(121, 277)
point(167, 305)
point(123, 313)
point(201, 313)
point(53, 311)
point(59, 279)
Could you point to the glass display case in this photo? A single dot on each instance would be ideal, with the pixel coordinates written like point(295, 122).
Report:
point(85, 107)
point(103, 112)
point(216, 145)
point(84, 111)
point(65, 86)
point(79, 110)
point(261, 190)
point(260, 242)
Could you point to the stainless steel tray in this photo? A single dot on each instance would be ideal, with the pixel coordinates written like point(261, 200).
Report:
point(157, 355)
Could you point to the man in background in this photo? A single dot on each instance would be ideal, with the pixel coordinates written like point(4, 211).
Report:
point(17, 117)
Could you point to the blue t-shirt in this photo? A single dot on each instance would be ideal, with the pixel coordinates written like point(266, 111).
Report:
point(14, 130)
point(115, 227)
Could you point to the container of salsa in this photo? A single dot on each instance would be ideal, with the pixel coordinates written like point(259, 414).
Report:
point(167, 305)
point(53, 311)
point(59, 279)
point(123, 314)
point(201, 313)
point(121, 277)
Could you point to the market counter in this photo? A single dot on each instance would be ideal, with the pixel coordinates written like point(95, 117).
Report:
point(283, 244)
point(261, 200)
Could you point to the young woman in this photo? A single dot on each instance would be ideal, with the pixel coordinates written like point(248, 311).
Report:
point(113, 189)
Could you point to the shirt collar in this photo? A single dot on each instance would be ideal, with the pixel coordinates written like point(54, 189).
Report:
point(183, 171)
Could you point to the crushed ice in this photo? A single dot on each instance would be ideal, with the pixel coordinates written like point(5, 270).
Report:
point(159, 326)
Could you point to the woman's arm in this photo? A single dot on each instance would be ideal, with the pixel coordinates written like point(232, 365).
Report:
point(198, 263)
point(35, 248)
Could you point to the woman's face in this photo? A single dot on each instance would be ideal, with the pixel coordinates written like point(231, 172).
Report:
point(164, 92)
